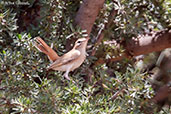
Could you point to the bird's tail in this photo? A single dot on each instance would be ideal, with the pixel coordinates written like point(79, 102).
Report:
point(43, 47)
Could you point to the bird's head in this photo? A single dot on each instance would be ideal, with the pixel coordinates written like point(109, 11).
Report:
point(81, 43)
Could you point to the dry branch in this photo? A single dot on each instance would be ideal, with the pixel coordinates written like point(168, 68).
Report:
point(87, 14)
point(163, 93)
point(144, 44)
point(116, 94)
point(156, 41)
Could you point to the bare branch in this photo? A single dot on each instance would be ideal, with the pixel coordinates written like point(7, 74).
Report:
point(144, 44)
point(116, 94)
point(87, 14)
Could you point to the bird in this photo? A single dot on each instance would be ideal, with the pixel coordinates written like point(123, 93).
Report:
point(67, 62)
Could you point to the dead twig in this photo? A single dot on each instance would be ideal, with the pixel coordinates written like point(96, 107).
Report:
point(116, 94)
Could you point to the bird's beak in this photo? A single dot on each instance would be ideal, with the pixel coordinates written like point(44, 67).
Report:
point(87, 38)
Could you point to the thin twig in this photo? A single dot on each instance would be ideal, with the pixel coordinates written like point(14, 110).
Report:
point(116, 94)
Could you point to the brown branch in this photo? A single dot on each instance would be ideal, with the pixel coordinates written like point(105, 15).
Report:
point(87, 14)
point(155, 41)
point(163, 93)
point(116, 94)
point(144, 44)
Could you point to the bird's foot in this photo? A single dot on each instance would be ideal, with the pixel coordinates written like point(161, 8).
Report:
point(66, 76)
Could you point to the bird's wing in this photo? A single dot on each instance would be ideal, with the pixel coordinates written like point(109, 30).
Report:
point(65, 59)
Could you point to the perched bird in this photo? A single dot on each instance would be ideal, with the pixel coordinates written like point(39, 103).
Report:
point(69, 61)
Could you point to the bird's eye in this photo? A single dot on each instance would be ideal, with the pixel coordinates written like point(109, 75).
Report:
point(79, 42)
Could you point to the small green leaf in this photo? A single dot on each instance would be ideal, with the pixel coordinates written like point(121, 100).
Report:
point(29, 35)
point(4, 52)
point(19, 36)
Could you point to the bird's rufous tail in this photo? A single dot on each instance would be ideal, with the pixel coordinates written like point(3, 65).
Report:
point(43, 47)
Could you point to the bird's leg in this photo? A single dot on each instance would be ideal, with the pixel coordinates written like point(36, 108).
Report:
point(66, 75)
point(68, 78)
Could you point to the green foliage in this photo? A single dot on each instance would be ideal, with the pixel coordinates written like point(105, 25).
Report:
point(24, 85)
